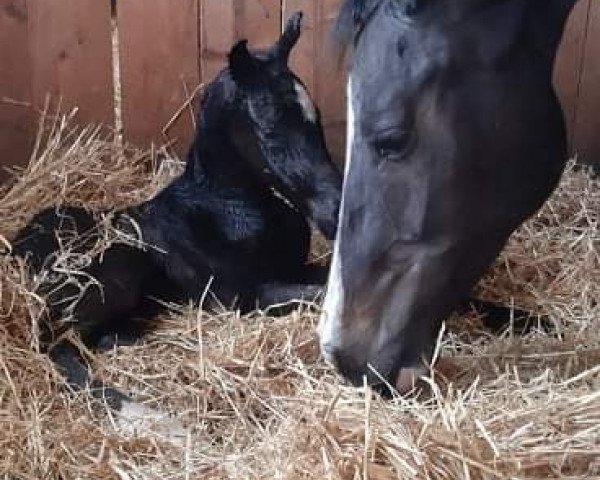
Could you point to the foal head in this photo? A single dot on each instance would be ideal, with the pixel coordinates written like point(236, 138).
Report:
point(276, 127)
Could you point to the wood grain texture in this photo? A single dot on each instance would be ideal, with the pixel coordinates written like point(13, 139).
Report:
point(16, 118)
point(567, 71)
point(226, 21)
point(71, 59)
point(587, 121)
point(159, 60)
point(316, 64)
point(63, 48)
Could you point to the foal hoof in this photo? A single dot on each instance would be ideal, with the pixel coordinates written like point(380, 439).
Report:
point(134, 419)
point(498, 318)
point(108, 342)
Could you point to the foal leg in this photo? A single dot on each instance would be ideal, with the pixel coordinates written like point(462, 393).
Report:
point(285, 297)
point(73, 368)
point(117, 339)
point(498, 318)
point(314, 274)
point(305, 285)
point(128, 330)
point(102, 308)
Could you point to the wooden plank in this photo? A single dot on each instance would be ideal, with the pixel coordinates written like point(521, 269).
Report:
point(71, 58)
point(218, 32)
point(159, 61)
point(331, 82)
point(314, 62)
point(226, 21)
point(16, 119)
point(567, 71)
point(587, 122)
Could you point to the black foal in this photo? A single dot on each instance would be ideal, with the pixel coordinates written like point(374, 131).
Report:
point(232, 228)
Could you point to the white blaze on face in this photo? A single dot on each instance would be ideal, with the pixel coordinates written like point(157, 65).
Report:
point(308, 107)
point(330, 321)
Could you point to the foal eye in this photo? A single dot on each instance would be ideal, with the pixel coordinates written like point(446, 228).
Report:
point(394, 147)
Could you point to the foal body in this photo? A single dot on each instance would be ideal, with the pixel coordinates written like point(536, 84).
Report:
point(219, 231)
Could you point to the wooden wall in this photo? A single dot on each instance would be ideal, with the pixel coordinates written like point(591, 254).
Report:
point(319, 69)
point(16, 118)
point(60, 48)
point(166, 49)
point(586, 126)
point(577, 78)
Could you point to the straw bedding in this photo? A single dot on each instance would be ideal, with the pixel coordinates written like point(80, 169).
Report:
point(253, 392)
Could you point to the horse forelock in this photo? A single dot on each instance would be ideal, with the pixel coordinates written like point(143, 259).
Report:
point(353, 16)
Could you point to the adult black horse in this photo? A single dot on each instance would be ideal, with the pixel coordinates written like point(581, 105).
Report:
point(233, 224)
point(455, 137)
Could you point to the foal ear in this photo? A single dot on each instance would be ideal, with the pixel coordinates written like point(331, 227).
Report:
point(244, 67)
point(289, 37)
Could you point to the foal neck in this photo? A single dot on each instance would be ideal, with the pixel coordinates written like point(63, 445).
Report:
point(211, 154)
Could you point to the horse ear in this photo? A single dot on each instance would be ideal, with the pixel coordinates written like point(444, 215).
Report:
point(351, 20)
point(361, 9)
point(289, 37)
point(244, 67)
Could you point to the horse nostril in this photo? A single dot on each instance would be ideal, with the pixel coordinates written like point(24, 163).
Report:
point(408, 378)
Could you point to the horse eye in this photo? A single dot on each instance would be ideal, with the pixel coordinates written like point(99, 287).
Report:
point(394, 147)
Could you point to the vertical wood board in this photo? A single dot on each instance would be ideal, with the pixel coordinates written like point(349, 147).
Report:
point(587, 122)
point(226, 21)
point(63, 48)
point(70, 50)
point(16, 119)
point(159, 60)
point(316, 63)
point(567, 71)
